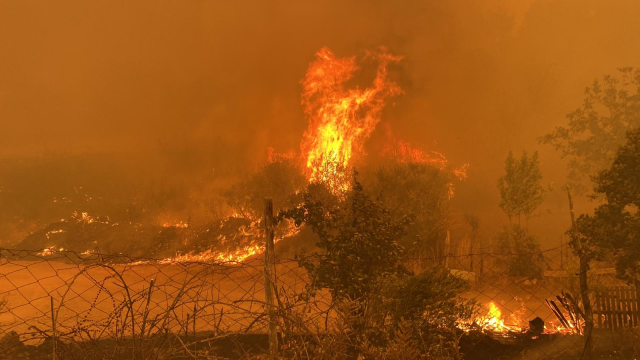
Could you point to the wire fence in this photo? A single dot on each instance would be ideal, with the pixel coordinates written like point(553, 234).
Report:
point(68, 305)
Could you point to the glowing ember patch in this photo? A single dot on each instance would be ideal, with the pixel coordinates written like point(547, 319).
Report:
point(50, 251)
point(52, 232)
point(181, 225)
point(340, 119)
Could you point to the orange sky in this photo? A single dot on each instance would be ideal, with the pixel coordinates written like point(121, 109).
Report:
point(480, 77)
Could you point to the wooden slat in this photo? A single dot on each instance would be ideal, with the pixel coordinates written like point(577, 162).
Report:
point(634, 305)
point(610, 317)
point(598, 309)
point(620, 308)
point(627, 312)
point(624, 306)
point(602, 309)
point(617, 307)
point(617, 312)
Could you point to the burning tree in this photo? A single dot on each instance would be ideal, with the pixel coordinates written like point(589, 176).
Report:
point(341, 118)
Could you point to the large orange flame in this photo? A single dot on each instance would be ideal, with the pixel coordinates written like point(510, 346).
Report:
point(340, 119)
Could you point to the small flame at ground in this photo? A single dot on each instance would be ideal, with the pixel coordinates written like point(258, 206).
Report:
point(494, 322)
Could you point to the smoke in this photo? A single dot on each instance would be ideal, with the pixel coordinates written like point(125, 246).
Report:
point(207, 86)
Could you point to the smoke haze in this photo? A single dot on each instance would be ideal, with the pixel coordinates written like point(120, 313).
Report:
point(210, 85)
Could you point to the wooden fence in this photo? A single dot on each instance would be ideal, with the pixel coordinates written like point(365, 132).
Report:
point(617, 307)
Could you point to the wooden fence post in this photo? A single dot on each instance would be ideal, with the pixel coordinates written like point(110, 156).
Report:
point(53, 329)
point(447, 249)
point(584, 286)
point(269, 263)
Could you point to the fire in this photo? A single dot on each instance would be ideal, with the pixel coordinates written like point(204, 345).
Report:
point(494, 322)
point(253, 245)
point(181, 225)
point(340, 119)
point(50, 250)
point(405, 152)
point(491, 322)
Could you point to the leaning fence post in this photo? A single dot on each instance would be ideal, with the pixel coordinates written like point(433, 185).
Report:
point(53, 329)
point(447, 249)
point(195, 338)
point(268, 277)
point(584, 287)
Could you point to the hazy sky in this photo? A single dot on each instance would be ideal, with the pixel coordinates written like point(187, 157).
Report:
point(480, 77)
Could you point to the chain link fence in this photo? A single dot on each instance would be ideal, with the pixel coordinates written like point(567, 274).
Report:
point(68, 305)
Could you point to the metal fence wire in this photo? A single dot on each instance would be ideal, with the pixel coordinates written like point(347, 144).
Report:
point(69, 305)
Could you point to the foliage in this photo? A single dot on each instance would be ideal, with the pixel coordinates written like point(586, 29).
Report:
point(384, 312)
point(522, 250)
point(408, 317)
point(615, 225)
point(357, 237)
point(281, 180)
point(521, 187)
point(421, 192)
point(595, 131)
point(428, 302)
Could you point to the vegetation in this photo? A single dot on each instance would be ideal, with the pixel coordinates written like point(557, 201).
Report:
point(522, 250)
point(521, 189)
point(615, 225)
point(385, 311)
point(597, 129)
point(282, 180)
point(420, 192)
point(358, 242)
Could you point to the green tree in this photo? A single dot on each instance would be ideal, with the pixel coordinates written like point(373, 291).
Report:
point(521, 189)
point(385, 310)
point(597, 129)
point(358, 240)
point(522, 251)
point(420, 192)
point(615, 225)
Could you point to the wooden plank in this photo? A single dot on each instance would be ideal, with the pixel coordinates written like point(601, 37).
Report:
point(610, 320)
point(625, 299)
point(634, 304)
point(630, 304)
point(598, 309)
point(616, 303)
point(624, 309)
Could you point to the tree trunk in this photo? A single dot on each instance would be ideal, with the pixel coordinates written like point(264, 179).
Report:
point(584, 286)
point(269, 260)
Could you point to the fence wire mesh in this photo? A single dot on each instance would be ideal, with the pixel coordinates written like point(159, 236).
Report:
point(91, 306)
